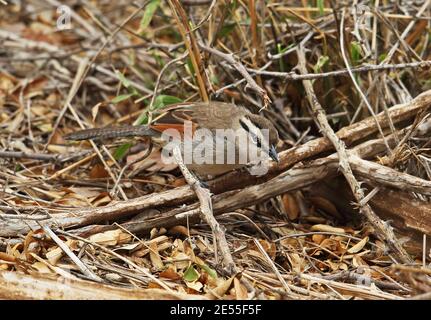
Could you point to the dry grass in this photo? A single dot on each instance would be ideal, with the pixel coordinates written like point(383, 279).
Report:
point(121, 60)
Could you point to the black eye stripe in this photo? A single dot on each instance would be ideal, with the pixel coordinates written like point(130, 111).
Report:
point(255, 137)
point(244, 125)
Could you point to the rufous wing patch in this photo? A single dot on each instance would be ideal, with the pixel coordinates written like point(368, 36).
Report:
point(160, 127)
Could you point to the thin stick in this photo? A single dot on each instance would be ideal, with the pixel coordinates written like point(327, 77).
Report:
point(33, 156)
point(242, 70)
point(343, 72)
point(85, 270)
point(206, 212)
point(271, 263)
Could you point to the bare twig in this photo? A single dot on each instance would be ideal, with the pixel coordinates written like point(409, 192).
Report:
point(71, 255)
point(384, 232)
point(242, 70)
point(343, 72)
point(204, 197)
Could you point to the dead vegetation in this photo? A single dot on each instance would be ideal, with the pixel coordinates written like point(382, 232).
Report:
point(344, 215)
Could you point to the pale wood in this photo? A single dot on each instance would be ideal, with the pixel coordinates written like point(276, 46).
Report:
point(14, 285)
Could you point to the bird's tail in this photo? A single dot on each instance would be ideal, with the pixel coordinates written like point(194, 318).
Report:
point(110, 132)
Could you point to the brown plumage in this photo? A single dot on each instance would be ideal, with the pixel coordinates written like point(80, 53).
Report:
point(211, 116)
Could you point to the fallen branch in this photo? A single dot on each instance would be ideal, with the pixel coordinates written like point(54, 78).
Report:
point(292, 179)
point(15, 285)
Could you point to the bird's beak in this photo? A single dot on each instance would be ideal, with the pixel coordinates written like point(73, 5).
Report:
point(273, 154)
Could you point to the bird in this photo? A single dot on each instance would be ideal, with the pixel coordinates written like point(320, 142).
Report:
point(228, 135)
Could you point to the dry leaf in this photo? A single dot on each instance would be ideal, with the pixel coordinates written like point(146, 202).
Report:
point(98, 171)
point(358, 247)
point(7, 82)
point(326, 228)
point(196, 286)
point(181, 260)
point(155, 257)
point(358, 261)
point(189, 250)
point(129, 247)
point(7, 257)
point(283, 231)
point(153, 233)
point(170, 274)
point(85, 192)
point(202, 245)
point(42, 267)
point(95, 110)
point(298, 264)
point(154, 285)
point(179, 182)
point(54, 255)
point(28, 240)
point(333, 246)
point(240, 290)
point(291, 206)
point(333, 264)
point(318, 238)
point(152, 163)
point(220, 290)
point(325, 205)
point(110, 238)
point(269, 247)
point(102, 199)
point(56, 146)
point(4, 266)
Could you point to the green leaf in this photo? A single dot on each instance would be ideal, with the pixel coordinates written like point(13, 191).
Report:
point(142, 120)
point(158, 58)
point(148, 14)
point(121, 151)
point(280, 50)
point(214, 79)
point(190, 66)
point(323, 60)
point(211, 272)
point(126, 83)
point(356, 52)
point(226, 29)
point(165, 100)
point(191, 275)
point(121, 97)
point(321, 7)
point(382, 57)
point(160, 102)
